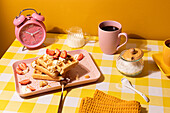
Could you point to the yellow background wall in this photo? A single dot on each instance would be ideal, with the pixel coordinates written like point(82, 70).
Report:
point(148, 19)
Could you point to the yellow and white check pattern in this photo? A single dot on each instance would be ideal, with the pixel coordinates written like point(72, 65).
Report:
point(151, 82)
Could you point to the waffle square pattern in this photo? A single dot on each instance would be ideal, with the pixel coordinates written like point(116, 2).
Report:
point(104, 103)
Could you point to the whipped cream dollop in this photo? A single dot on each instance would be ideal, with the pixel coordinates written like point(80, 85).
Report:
point(63, 59)
point(76, 56)
point(56, 62)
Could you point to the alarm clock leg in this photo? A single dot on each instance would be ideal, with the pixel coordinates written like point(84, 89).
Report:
point(23, 48)
point(43, 44)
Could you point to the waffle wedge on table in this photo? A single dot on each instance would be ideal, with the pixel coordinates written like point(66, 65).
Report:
point(49, 68)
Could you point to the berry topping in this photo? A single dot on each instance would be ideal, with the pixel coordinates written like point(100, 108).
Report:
point(19, 71)
point(80, 57)
point(57, 53)
point(31, 88)
point(63, 54)
point(25, 82)
point(50, 52)
point(22, 66)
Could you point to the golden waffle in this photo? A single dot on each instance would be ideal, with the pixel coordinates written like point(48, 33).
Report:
point(104, 103)
point(42, 76)
point(53, 73)
point(62, 66)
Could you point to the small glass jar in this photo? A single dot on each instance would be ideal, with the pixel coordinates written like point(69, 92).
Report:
point(130, 62)
point(75, 38)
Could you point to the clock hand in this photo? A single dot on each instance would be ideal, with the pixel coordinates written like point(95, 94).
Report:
point(32, 34)
point(28, 32)
point(35, 32)
point(33, 37)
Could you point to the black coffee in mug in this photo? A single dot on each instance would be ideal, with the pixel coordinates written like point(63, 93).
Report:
point(109, 28)
point(168, 45)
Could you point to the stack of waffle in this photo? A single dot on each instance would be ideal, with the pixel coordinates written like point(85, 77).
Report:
point(46, 67)
point(104, 103)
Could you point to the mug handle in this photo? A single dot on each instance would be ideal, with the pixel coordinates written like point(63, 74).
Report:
point(119, 36)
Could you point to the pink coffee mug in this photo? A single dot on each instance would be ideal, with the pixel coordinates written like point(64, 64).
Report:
point(109, 40)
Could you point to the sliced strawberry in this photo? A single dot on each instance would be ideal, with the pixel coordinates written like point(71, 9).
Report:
point(31, 88)
point(80, 56)
point(22, 66)
point(25, 82)
point(63, 54)
point(19, 71)
point(50, 52)
point(57, 53)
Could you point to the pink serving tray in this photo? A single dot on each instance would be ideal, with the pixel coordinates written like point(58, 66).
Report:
point(85, 67)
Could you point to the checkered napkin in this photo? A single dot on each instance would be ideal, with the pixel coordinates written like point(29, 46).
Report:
point(104, 103)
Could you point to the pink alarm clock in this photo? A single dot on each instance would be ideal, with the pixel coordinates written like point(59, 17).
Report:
point(30, 30)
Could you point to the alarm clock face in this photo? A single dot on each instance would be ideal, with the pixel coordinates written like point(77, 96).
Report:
point(31, 34)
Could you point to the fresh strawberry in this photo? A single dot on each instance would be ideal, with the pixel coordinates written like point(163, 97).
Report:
point(80, 56)
point(50, 52)
point(25, 81)
point(22, 66)
point(19, 71)
point(57, 53)
point(31, 88)
point(63, 54)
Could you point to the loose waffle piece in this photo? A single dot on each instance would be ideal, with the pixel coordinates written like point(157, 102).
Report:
point(61, 66)
point(39, 75)
point(90, 105)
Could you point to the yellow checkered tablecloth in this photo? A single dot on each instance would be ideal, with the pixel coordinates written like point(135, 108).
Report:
point(151, 82)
